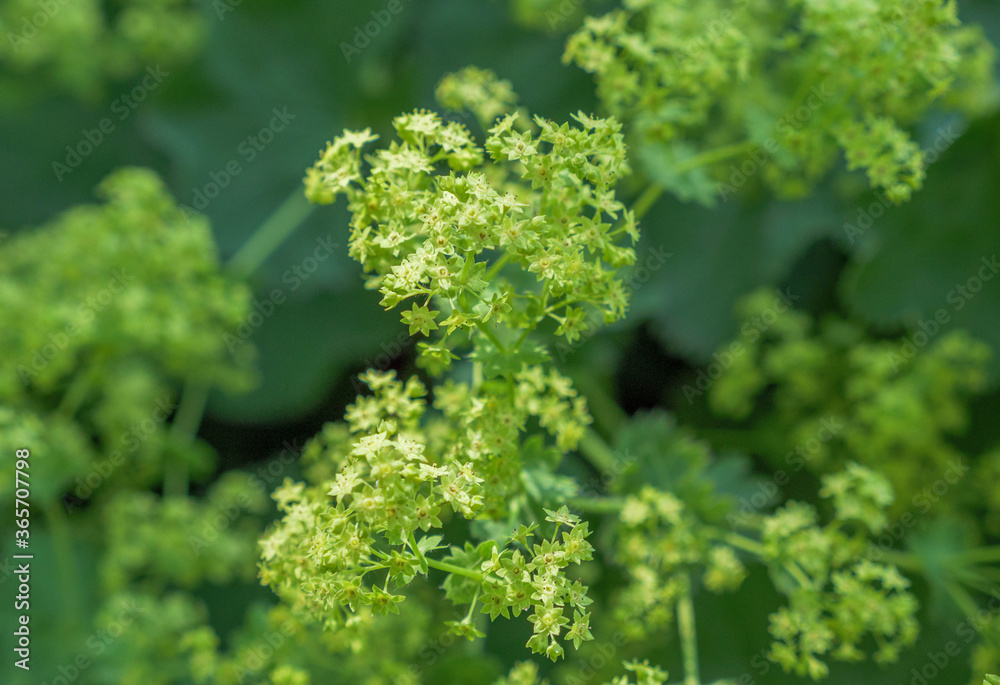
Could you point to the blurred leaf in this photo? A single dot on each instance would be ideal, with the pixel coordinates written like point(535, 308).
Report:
point(304, 346)
point(718, 255)
point(926, 256)
point(661, 163)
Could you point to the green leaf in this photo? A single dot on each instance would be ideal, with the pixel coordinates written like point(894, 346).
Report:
point(664, 165)
point(937, 255)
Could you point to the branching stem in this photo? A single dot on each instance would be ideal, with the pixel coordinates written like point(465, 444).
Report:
point(457, 570)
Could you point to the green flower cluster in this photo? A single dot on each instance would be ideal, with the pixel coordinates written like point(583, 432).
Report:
point(526, 673)
point(838, 599)
point(279, 646)
point(106, 311)
point(479, 92)
point(668, 534)
point(103, 312)
point(435, 223)
point(782, 86)
point(109, 273)
point(438, 226)
point(838, 396)
point(552, 16)
point(78, 46)
point(181, 541)
point(167, 638)
point(401, 476)
point(147, 647)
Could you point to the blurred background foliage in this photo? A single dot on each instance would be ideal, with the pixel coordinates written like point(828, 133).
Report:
point(227, 72)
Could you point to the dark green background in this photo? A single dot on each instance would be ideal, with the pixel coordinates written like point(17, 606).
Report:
point(287, 54)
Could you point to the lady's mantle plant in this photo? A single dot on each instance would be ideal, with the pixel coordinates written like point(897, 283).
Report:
point(486, 250)
point(478, 251)
point(716, 89)
point(492, 248)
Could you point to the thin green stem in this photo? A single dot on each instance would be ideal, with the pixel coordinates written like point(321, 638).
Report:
point(521, 339)
point(753, 547)
point(457, 570)
point(561, 303)
point(597, 452)
point(266, 239)
point(689, 636)
point(640, 207)
point(645, 202)
point(605, 410)
point(742, 542)
point(470, 261)
point(979, 555)
point(492, 336)
point(962, 598)
point(373, 567)
point(475, 598)
point(715, 155)
point(798, 574)
point(596, 505)
point(477, 375)
point(497, 265)
point(185, 426)
point(991, 574)
point(903, 560)
point(416, 548)
point(983, 580)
